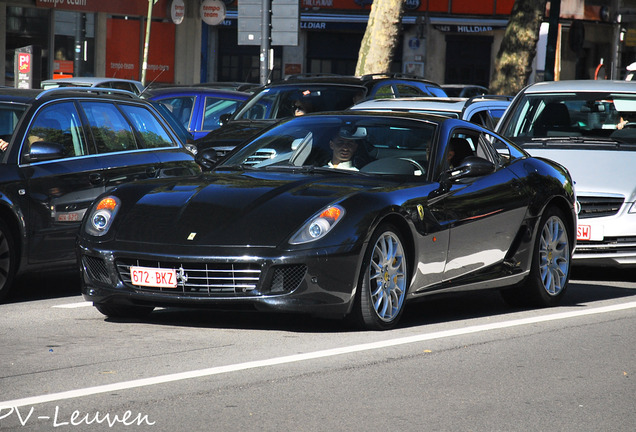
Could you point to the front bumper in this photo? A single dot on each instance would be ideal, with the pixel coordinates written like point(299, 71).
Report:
point(608, 241)
point(316, 281)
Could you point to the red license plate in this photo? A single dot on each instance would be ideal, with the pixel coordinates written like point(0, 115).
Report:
point(584, 232)
point(153, 277)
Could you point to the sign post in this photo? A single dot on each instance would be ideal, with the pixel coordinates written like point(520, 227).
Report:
point(144, 65)
point(266, 23)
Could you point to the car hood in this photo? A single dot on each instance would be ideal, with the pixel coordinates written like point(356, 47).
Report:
point(596, 172)
point(229, 209)
point(232, 134)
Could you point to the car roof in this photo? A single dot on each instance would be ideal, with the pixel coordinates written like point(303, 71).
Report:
point(435, 118)
point(9, 94)
point(352, 79)
point(451, 104)
point(580, 85)
point(88, 80)
point(193, 90)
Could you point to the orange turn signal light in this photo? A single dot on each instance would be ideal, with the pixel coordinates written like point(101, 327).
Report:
point(107, 203)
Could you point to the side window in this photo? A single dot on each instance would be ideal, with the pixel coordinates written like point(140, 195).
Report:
point(148, 126)
point(60, 124)
point(500, 149)
point(181, 108)
point(214, 109)
point(384, 92)
point(110, 130)
point(482, 118)
point(460, 146)
point(407, 90)
point(10, 114)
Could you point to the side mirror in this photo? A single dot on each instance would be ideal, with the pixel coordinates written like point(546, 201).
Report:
point(207, 158)
point(44, 151)
point(224, 118)
point(472, 166)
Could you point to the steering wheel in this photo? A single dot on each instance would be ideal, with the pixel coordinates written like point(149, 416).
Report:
point(417, 165)
point(629, 125)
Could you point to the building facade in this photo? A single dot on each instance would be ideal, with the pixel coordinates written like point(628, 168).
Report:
point(447, 41)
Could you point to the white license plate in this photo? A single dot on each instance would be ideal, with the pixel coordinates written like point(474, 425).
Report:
point(584, 232)
point(153, 277)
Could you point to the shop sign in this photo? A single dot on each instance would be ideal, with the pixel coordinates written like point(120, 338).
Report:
point(177, 11)
point(212, 12)
point(466, 28)
point(123, 7)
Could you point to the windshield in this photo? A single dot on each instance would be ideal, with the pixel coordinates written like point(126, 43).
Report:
point(584, 114)
point(375, 145)
point(281, 102)
point(10, 115)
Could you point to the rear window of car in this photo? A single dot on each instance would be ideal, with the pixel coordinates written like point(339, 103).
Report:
point(279, 102)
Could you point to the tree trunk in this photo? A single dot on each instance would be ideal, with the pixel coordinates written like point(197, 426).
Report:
point(381, 37)
point(513, 64)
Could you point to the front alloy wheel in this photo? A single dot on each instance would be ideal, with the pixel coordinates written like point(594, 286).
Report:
point(384, 281)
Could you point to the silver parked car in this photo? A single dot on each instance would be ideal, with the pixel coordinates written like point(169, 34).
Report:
point(482, 110)
point(590, 128)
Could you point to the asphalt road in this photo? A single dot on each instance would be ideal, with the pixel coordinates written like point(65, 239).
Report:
point(462, 363)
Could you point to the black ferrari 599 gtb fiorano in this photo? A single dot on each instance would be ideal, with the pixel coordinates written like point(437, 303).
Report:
point(345, 214)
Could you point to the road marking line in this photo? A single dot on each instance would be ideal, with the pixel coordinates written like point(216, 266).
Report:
point(74, 305)
point(162, 379)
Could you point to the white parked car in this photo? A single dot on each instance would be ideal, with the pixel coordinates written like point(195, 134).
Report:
point(590, 128)
point(482, 110)
point(115, 83)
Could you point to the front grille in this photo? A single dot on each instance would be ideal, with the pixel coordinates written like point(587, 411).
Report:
point(96, 268)
point(608, 245)
point(200, 278)
point(593, 207)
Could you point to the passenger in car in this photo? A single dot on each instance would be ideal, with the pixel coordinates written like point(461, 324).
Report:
point(458, 149)
point(300, 107)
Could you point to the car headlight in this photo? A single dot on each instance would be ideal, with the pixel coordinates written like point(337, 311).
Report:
point(101, 216)
point(319, 225)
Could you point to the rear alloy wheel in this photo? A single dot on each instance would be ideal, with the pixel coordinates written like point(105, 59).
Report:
point(551, 264)
point(124, 311)
point(384, 281)
point(7, 260)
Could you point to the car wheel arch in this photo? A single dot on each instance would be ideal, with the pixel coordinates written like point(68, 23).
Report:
point(15, 223)
point(404, 228)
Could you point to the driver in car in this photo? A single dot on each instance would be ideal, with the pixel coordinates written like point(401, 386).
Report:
point(344, 146)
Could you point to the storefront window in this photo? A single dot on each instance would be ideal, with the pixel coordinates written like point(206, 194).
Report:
point(26, 27)
point(74, 50)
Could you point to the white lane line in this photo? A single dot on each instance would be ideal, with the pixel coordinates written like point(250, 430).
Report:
point(73, 305)
point(162, 379)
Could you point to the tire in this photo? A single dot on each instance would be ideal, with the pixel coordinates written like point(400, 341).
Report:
point(121, 311)
point(551, 262)
point(383, 281)
point(8, 260)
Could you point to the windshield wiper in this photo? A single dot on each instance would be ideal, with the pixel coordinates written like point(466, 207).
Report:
point(575, 139)
point(237, 167)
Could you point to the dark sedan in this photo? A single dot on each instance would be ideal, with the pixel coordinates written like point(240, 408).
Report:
point(341, 215)
point(65, 147)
